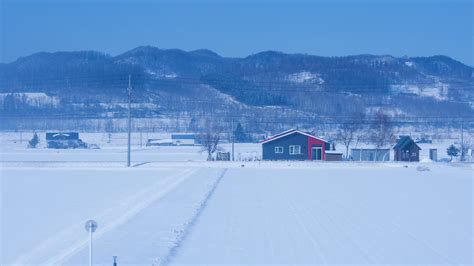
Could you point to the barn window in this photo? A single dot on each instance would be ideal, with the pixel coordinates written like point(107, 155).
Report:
point(278, 149)
point(295, 149)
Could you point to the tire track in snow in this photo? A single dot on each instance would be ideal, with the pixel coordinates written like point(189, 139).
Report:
point(316, 245)
point(300, 213)
point(189, 226)
point(391, 224)
point(337, 230)
point(56, 249)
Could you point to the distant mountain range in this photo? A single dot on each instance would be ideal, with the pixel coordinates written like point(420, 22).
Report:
point(178, 90)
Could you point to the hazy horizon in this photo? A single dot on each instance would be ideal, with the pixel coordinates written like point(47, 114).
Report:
point(225, 56)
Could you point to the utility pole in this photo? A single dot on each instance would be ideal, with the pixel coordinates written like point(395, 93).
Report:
point(233, 139)
point(129, 117)
point(141, 140)
point(462, 140)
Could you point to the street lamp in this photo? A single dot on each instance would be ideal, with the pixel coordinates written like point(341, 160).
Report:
point(90, 226)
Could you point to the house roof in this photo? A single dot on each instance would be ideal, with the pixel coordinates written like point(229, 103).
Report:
point(62, 135)
point(160, 141)
point(287, 133)
point(371, 148)
point(333, 152)
point(405, 142)
point(183, 136)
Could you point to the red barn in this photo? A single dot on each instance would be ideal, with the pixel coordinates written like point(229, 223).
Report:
point(294, 145)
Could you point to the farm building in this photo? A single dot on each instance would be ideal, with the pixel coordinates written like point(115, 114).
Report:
point(64, 140)
point(333, 156)
point(371, 154)
point(159, 142)
point(183, 139)
point(406, 150)
point(294, 145)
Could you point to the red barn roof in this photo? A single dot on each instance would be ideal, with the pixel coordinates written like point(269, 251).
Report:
point(287, 133)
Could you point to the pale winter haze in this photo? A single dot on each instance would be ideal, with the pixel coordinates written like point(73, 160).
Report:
point(179, 132)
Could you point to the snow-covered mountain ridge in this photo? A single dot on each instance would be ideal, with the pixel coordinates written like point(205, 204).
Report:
point(168, 83)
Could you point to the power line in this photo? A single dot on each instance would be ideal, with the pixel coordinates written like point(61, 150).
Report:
point(200, 80)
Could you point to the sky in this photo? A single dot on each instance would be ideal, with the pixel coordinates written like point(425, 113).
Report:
point(240, 28)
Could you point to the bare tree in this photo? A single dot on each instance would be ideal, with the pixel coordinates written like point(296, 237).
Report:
point(382, 129)
point(351, 130)
point(210, 139)
point(464, 148)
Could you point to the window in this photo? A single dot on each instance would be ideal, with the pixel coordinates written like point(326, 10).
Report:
point(279, 149)
point(295, 149)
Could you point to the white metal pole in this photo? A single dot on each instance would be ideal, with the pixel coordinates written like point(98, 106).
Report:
point(90, 247)
point(129, 118)
point(90, 226)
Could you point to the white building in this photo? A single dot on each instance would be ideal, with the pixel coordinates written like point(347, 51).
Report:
point(186, 139)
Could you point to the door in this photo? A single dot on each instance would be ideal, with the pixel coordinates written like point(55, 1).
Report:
point(406, 155)
point(371, 156)
point(317, 153)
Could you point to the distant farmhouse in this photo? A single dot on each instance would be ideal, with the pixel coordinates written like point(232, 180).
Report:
point(158, 142)
point(183, 139)
point(406, 150)
point(64, 140)
point(177, 139)
point(294, 145)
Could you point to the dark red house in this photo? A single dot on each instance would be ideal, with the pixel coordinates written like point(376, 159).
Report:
point(294, 145)
point(406, 150)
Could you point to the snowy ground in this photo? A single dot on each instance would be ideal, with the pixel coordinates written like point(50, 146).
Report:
point(335, 216)
point(174, 208)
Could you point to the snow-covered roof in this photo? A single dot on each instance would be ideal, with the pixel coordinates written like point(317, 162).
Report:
point(183, 136)
point(160, 141)
point(333, 152)
point(372, 147)
point(405, 142)
point(289, 132)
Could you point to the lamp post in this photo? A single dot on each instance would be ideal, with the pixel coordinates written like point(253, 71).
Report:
point(90, 226)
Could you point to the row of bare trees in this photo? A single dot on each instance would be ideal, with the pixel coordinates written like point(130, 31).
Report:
point(356, 127)
point(353, 129)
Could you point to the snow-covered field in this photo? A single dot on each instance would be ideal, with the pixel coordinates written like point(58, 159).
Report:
point(174, 208)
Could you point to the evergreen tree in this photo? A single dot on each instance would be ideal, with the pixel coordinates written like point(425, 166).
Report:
point(239, 134)
point(193, 125)
point(109, 126)
point(34, 141)
point(452, 151)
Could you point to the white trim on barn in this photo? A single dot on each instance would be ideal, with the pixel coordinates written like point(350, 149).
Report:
point(287, 133)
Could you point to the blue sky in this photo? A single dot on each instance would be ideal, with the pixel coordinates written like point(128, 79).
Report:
point(240, 28)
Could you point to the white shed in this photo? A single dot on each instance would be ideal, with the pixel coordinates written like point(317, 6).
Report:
point(185, 139)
